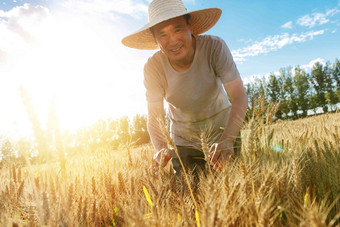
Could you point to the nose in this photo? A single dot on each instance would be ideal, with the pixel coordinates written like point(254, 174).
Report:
point(173, 40)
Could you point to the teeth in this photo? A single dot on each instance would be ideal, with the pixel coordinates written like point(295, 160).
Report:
point(174, 50)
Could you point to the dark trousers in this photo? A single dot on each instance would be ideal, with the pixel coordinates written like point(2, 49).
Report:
point(193, 162)
point(192, 159)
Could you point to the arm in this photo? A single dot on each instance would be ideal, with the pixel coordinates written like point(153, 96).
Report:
point(239, 101)
point(154, 84)
point(156, 113)
point(223, 150)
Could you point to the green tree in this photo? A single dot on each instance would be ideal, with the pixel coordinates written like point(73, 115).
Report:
point(284, 106)
point(261, 87)
point(336, 73)
point(290, 92)
point(7, 150)
point(124, 131)
point(330, 94)
point(256, 90)
point(273, 88)
point(336, 78)
point(250, 90)
point(140, 133)
point(319, 82)
point(23, 147)
point(274, 92)
point(301, 84)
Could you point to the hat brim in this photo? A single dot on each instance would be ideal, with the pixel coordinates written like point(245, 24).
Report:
point(201, 21)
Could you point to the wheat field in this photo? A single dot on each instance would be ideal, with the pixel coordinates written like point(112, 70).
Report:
point(287, 174)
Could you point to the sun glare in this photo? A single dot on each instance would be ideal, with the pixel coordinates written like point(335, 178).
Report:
point(81, 63)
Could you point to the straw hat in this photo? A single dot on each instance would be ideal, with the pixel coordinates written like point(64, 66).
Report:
point(162, 10)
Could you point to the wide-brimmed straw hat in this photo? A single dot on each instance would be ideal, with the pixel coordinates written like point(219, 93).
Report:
point(162, 10)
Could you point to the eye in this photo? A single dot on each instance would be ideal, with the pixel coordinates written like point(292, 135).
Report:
point(178, 30)
point(162, 35)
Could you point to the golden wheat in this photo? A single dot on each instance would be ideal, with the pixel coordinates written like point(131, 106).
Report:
point(288, 174)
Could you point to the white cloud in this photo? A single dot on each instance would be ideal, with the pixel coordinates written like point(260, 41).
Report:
point(288, 25)
point(316, 18)
point(254, 77)
point(245, 41)
point(129, 7)
point(308, 67)
point(251, 78)
point(310, 22)
point(272, 43)
point(18, 27)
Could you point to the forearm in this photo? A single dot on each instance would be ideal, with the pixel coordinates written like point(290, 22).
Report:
point(236, 119)
point(156, 135)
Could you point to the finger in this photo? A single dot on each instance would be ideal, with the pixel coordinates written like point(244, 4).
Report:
point(157, 156)
point(167, 153)
point(167, 156)
point(212, 148)
point(165, 162)
point(224, 159)
point(156, 163)
point(215, 166)
point(228, 155)
point(156, 160)
point(215, 157)
point(218, 166)
point(155, 166)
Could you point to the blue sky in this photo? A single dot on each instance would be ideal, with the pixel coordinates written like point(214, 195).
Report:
point(267, 35)
point(70, 50)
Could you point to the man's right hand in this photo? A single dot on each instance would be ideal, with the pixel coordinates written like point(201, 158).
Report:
point(157, 158)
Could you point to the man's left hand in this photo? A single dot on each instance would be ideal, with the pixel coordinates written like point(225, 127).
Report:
point(221, 153)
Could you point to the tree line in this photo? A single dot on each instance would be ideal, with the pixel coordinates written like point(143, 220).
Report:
point(299, 93)
point(104, 135)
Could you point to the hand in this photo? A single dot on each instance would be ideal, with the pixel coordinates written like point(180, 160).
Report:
point(221, 153)
point(163, 155)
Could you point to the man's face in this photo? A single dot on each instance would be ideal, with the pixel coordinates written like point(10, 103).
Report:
point(174, 39)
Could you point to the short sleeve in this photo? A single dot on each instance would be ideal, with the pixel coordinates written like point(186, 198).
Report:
point(223, 61)
point(153, 83)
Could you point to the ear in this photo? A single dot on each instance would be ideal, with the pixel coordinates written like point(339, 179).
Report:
point(153, 35)
point(189, 25)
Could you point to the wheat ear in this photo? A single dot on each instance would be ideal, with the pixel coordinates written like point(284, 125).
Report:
point(171, 144)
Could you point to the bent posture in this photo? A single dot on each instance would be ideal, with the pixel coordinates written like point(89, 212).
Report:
point(199, 80)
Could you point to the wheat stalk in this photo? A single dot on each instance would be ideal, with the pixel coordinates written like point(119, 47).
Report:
point(171, 144)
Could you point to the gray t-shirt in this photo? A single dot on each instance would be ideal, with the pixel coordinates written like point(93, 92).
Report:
point(197, 99)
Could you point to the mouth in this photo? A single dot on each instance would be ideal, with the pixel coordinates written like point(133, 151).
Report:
point(177, 49)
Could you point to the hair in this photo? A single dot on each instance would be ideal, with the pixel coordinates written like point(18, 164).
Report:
point(187, 17)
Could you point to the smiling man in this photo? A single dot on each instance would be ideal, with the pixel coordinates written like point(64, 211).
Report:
point(199, 80)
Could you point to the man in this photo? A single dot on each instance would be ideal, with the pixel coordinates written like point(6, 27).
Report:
point(195, 74)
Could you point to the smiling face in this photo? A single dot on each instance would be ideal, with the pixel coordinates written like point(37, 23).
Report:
point(175, 40)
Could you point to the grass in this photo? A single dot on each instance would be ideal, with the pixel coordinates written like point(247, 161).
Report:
point(287, 174)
